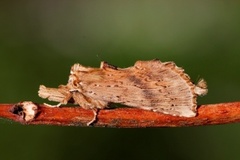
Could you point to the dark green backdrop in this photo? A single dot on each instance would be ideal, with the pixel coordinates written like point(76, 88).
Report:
point(40, 40)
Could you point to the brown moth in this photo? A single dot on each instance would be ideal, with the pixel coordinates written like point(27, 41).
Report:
point(150, 85)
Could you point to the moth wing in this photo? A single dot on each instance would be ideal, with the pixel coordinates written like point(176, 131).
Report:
point(176, 91)
point(150, 85)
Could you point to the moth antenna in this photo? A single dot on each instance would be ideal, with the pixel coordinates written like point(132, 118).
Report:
point(201, 88)
point(99, 57)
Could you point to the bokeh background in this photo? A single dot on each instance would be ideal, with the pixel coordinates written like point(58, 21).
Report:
point(40, 40)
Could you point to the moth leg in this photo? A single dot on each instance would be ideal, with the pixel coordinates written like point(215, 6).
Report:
point(89, 103)
point(52, 106)
point(95, 113)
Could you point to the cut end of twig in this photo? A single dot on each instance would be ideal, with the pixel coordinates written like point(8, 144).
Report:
point(26, 110)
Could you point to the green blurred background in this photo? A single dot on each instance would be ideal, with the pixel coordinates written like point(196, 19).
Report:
point(40, 40)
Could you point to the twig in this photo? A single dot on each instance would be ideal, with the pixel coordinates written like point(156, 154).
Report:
point(210, 114)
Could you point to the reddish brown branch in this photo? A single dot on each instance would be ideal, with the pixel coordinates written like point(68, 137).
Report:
point(126, 117)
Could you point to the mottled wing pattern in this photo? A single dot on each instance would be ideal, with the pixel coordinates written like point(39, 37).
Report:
point(150, 85)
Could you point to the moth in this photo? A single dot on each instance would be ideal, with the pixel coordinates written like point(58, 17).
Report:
point(150, 85)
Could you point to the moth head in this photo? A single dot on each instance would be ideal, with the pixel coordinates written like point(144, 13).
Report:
point(73, 80)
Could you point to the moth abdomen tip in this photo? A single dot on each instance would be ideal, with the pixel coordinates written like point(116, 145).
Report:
point(201, 88)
